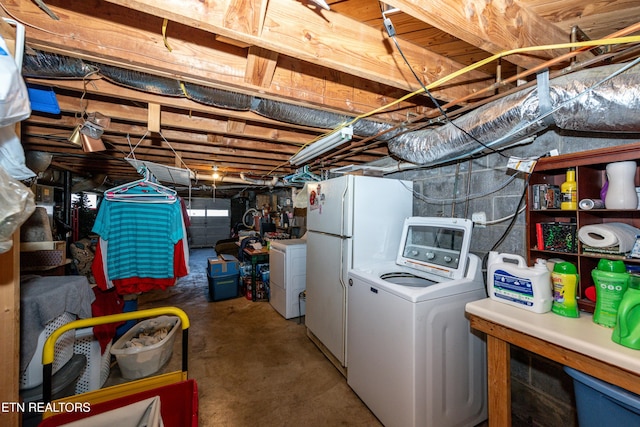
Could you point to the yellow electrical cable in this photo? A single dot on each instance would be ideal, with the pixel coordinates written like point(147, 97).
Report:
point(610, 41)
point(165, 23)
point(616, 40)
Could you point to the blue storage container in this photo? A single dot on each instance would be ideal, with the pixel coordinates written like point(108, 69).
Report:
point(599, 403)
point(223, 287)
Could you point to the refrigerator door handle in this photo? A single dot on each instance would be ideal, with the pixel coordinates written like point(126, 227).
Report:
point(344, 213)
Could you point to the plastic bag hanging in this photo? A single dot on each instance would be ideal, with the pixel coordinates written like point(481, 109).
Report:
point(17, 203)
point(12, 157)
point(14, 97)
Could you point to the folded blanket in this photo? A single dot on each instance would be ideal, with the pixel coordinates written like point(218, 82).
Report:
point(609, 235)
point(42, 299)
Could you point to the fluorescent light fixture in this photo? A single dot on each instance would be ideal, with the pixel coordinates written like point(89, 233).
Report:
point(321, 146)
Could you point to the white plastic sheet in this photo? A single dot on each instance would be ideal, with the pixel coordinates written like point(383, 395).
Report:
point(12, 157)
point(17, 203)
point(14, 97)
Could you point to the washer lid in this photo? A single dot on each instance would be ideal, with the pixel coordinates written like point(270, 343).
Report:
point(438, 246)
point(407, 279)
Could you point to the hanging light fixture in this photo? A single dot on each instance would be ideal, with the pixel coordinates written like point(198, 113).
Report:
point(324, 144)
point(75, 137)
point(88, 135)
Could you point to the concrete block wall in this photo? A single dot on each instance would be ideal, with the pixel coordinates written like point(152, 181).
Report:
point(542, 394)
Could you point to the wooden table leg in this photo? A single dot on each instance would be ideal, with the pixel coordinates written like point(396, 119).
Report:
point(499, 382)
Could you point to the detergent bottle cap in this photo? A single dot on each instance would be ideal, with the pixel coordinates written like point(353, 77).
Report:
point(540, 264)
point(565, 268)
point(614, 266)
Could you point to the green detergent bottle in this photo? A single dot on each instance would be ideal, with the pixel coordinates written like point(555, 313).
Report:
point(627, 329)
point(564, 278)
point(611, 280)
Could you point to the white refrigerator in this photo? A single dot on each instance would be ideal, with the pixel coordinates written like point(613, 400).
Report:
point(351, 221)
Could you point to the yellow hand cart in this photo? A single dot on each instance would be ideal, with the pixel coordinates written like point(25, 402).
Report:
point(178, 395)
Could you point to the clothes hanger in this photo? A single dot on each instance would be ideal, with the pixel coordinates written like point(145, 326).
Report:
point(142, 191)
point(302, 175)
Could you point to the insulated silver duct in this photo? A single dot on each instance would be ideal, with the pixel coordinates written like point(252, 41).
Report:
point(46, 65)
point(141, 81)
point(604, 99)
point(50, 65)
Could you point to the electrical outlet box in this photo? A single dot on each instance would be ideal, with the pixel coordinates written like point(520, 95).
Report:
point(479, 219)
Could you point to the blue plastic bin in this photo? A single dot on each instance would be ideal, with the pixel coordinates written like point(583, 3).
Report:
point(599, 403)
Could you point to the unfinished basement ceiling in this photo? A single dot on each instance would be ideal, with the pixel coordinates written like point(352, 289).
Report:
point(301, 69)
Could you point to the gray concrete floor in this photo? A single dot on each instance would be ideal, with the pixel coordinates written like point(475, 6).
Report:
point(253, 367)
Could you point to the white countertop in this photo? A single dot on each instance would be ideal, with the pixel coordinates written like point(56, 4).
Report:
point(580, 335)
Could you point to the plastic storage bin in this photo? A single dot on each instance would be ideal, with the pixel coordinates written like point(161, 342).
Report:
point(223, 287)
point(599, 403)
point(140, 362)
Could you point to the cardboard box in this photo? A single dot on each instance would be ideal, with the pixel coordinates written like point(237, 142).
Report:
point(223, 265)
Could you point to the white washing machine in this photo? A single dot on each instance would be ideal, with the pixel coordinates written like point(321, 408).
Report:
point(413, 359)
point(287, 276)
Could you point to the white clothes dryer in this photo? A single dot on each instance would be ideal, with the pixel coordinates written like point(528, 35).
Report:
point(413, 359)
point(288, 274)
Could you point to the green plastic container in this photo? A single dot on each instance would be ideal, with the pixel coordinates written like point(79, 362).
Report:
point(611, 280)
point(564, 279)
point(627, 329)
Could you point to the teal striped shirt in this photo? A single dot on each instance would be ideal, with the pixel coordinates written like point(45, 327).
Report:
point(141, 237)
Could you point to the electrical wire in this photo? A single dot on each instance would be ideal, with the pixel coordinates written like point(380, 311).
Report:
point(391, 32)
point(433, 200)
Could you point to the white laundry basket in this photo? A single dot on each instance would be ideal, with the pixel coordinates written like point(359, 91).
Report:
point(140, 362)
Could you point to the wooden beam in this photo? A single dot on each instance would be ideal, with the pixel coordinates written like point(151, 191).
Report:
point(154, 117)
point(494, 26)
point(261, 65)
point(10, 329)
point(334, 42)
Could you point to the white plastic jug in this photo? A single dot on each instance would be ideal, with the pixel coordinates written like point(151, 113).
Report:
point(517, 284)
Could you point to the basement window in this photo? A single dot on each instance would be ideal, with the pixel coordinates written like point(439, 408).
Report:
point(208, 213)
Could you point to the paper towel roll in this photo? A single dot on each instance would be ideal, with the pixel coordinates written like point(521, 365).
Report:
point(610, 234)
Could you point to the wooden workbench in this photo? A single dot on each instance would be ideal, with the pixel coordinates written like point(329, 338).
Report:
point(577, 343)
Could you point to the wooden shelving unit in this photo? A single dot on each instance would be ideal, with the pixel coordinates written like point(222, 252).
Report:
point(590, 176)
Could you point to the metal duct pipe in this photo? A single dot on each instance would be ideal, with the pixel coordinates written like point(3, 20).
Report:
point(243, 180)
point(603, 99)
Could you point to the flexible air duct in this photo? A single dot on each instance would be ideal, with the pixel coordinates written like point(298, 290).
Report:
point(49, 65)
point(592, 100)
